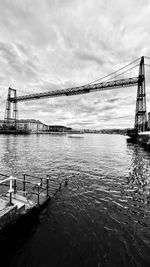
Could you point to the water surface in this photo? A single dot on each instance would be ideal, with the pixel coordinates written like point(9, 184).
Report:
point(102, 218)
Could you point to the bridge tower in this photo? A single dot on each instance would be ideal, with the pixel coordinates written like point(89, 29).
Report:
point(11, 112)
point(140, 113)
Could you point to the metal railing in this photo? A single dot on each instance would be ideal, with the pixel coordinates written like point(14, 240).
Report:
point(11, 182)
point(34, 188)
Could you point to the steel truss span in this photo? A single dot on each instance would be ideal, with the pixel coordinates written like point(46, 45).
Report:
point(79, 90)
point(141, 122)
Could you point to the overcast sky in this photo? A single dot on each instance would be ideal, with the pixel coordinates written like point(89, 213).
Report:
point(54, 44)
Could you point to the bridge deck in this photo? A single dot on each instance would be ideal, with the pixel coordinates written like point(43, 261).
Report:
point(78, 90)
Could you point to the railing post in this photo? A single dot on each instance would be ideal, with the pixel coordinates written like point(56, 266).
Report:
point(10, 191)
point(10, 198)
point(47, 185)
point(38, 187)
point(24, 185)
point(15, 186)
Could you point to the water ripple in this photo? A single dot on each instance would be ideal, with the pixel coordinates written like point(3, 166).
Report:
point(103, 217)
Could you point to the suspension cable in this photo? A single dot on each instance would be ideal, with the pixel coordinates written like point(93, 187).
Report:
point(107, 76)
point(115, 71)
point(3, 93)
point(1, 103)
point(126, 71)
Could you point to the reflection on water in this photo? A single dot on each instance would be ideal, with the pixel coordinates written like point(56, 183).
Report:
point(103, 217)
point(139, 174)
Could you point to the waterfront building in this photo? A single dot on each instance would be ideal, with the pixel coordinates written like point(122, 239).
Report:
point(32, 125)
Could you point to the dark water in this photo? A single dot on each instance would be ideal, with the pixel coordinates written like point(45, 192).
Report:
point(102, 218)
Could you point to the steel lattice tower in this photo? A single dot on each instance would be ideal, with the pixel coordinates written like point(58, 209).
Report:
point(140, 113)
point(11, 112)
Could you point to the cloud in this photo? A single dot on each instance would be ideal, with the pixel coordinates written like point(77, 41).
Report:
point(89, 57)
point(113, 100)
point(54, 44)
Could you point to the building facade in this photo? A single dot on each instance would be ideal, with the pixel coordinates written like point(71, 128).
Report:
point(37, 126)
point(32, 125)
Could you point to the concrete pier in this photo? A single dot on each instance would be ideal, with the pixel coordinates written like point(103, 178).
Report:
point(25, 196)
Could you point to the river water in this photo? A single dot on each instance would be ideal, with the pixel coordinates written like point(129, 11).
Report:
point(102, 218)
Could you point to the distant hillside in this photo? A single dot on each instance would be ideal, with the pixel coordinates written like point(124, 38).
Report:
point(108, 131)
point(114, 131)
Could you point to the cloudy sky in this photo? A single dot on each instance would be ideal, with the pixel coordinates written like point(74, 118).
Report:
point(53, 44)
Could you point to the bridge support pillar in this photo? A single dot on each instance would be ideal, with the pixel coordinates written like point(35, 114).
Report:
point(140, 113)
point(11, 112)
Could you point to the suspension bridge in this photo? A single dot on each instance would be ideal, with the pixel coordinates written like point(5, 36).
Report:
point(112, 81)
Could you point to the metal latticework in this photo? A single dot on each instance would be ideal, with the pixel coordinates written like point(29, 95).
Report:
point(140, 113)
point(84, 89)
point(11, 115)
point(11, 119)
point(11, 112)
